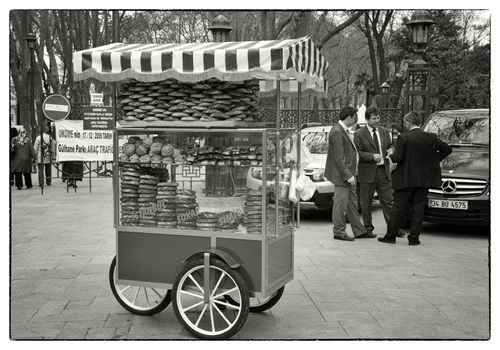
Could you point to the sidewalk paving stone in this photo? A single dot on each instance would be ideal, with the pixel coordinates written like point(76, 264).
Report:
point(36, 330)
point(63, 243)
point(100, 333)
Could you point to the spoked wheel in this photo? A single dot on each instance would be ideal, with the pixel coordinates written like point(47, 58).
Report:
point(144, 301)
point(199, 303)
point(257, 304)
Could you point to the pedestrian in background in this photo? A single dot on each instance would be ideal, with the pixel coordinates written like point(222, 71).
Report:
point(417, 155)
point(21, 163)
point(72, 171)
point(372, 142)
point(13, 135)
point(49, 148)
point(340, 169)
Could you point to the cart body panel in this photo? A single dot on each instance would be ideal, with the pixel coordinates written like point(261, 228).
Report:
point(155, 258)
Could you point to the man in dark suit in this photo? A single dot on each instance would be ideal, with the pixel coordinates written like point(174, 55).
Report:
point(372, 142)
point(341, 169)
point(417, 155)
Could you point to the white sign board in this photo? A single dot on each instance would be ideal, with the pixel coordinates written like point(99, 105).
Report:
point(75, 143)
point(97, 99)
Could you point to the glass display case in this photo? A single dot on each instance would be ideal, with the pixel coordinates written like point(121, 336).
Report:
point(167, 178)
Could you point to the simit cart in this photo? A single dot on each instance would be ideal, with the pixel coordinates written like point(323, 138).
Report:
point(192, 109)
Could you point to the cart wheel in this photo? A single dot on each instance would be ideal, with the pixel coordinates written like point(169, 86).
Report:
point(260, 305)
point(213, 318)
point(144, 301)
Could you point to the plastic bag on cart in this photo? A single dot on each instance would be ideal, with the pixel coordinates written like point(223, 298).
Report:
point(305, 187)
point(292, 193)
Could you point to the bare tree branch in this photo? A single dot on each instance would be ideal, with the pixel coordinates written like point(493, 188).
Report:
point(282, 24)
point(339, 28)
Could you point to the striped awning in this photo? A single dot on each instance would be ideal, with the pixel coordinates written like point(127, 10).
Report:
point(296, 59)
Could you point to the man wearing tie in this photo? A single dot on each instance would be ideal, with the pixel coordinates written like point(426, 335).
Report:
point(372, 142)
point(341, 170)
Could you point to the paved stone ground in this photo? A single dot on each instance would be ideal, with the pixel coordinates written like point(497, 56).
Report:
point(62, 245)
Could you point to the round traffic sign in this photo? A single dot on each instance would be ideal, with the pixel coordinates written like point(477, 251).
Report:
point(56, 107)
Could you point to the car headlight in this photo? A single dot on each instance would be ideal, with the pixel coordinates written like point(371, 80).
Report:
point(318, 175)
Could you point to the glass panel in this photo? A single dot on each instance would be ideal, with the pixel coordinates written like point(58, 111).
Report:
point(271, 156)
point(279, 181)
point(288, 158)
point(198, 180)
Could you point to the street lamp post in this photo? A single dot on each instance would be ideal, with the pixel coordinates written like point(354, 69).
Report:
point(417, 95)
point(385, 93)
point(31, 40)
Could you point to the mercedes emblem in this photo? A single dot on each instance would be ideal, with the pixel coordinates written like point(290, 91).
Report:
point(449, 186)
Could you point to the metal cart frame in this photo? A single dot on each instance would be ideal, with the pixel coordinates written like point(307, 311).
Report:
point(170, 262)
point(257, 250)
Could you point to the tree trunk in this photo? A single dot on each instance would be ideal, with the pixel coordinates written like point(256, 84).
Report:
point(379, 38)
point(116, 27)
point(302, 23)
point(373, 56)
point(19, 64)
point(95, 28)
point(264, 24)
point(381, 60)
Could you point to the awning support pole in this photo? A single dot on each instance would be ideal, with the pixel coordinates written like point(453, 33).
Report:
point(278, 154)
point(299, 141)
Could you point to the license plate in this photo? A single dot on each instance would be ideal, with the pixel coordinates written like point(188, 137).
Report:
point(445, 204)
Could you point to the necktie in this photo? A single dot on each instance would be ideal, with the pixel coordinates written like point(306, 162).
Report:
point(375, 138)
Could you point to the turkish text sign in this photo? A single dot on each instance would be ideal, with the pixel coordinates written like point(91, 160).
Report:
point(98, 118)
point(76, 143)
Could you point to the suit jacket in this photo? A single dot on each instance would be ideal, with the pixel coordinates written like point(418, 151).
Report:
point(417, 155)
point(341, 160)
point(367, 167)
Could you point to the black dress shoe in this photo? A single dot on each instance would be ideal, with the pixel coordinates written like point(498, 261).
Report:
point(414, 242)
point(343, 237)
point(386, 239)
point(400, 234)
point(367, 235)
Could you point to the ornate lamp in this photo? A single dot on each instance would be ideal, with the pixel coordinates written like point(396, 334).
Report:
point(385, 92)
point(417, 94)
point(419, 23)
point(385, 88)
point(220, 28)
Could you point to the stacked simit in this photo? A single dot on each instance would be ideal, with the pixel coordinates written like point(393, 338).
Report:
point(171, 100)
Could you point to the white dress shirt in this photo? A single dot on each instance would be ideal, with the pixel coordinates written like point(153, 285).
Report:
point(381, 162)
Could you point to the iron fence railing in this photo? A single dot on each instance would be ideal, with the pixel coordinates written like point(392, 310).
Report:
point(390, 117)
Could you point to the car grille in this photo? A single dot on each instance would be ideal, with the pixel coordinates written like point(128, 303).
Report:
point(460, 187)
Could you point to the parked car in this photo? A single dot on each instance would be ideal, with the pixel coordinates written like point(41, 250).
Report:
point(315, 145)
point(464, 194)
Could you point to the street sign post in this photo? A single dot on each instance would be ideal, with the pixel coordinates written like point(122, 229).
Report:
point(56, 107)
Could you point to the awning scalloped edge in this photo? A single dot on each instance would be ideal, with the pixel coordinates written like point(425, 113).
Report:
point(196, 77)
